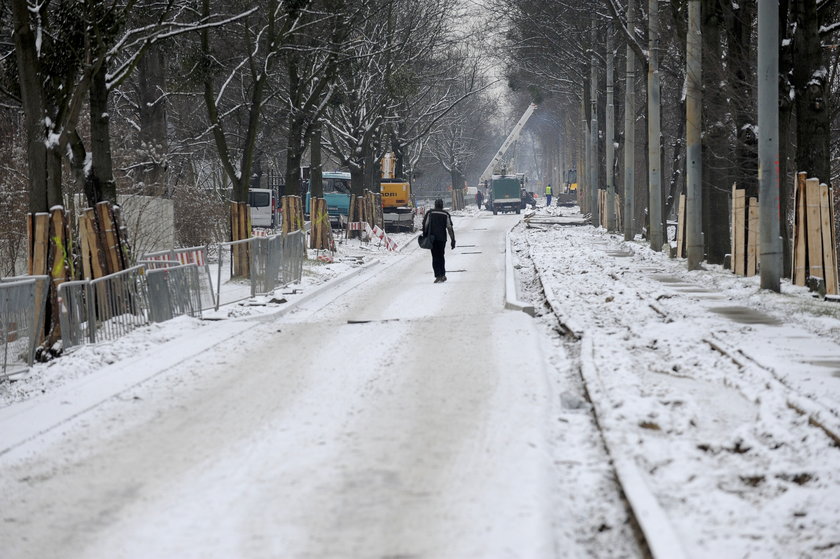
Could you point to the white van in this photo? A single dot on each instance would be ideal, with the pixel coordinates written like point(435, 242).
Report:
point(262, 205)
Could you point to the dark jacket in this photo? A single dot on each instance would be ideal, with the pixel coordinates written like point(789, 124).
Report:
point(437, 223)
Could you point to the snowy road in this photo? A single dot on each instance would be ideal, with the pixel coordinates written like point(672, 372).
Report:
point(389, 417)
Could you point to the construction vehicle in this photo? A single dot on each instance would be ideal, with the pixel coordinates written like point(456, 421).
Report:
point(336, 193)
point(512, 137)
point(397, 208)
point(505, 194)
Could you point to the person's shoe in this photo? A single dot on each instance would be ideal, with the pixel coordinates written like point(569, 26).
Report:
point(438, 279)
point(442, 279)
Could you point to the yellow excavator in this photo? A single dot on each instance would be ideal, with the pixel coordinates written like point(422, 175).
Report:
point(397, 209)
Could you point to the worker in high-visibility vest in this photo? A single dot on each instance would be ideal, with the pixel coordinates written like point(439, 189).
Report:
point(547, 195)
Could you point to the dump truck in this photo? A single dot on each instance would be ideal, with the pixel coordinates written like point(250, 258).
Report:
point(505, 193)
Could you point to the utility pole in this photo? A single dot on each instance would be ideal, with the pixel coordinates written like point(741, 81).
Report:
point(583, 174)
point(770, 244)
point(609, 141)
point(694, 151)
point(593, 101)
point(630, 129)
point(656, 237)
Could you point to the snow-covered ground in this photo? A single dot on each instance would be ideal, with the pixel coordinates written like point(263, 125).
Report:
point(375, 414)
point(706, 378)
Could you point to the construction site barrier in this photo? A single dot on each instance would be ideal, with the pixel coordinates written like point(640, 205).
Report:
point(273, 261)
point(22, 305)
point(174, 291)
point(190, 255)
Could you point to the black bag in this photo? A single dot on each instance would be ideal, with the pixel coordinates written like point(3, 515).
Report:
point(425, 241)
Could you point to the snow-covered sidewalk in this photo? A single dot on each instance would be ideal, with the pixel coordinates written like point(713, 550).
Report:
point(705, 380)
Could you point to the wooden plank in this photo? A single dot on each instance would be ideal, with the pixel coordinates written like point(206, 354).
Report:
point(681, 227)
point(732, 229)
point(41, 244)
point(833, 221)
point(739, 230)
point(30, 240)
point(799, 230)
point(828, 248)
point(752, 237)
point(813, 235)
point(85, 248)
point(97, 262)
point(110, 248)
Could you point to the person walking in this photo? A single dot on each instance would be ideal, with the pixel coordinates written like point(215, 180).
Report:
point(437, 223)
point(547, 195)
point(479, 197)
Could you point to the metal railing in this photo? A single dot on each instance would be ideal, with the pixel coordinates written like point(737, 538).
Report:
point(190, 255)
point(273, 261)
point(22, 305)
point(121, 301)
point(174, 291)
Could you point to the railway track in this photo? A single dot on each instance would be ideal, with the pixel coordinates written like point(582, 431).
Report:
point(646, 430)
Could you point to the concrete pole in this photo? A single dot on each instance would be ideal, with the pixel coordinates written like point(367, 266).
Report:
point(694, 151)
point(656, 237)
point(593, 130)
point(630, 131)
point(585, 174)
point(609, 141)
point(770, 243)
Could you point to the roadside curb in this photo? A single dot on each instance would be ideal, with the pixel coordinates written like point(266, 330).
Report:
point(511, 296)
point(21, 422)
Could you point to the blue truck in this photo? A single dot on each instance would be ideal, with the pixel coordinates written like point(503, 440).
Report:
point(336, 192)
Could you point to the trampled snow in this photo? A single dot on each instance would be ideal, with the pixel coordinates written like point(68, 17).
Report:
point(387, 416)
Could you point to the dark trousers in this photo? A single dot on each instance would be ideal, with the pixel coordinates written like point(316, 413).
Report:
point(547, 200)
point(438, 260)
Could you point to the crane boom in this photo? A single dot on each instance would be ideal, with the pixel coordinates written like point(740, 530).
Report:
point(514, 134)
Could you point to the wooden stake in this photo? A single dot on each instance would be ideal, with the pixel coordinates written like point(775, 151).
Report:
point(732, 229)
point(752, 237)
point(106, 223)
point(738, 203)
point(799, 230)
point(826, 227)
point(813, 233)
point(40, 244)
point(681, 227)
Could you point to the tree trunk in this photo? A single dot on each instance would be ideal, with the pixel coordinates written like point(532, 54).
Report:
point(101, 174)
point(316, 183)
point(153, 140)
point(716, 164)
point(810, 82)
point(742, 93)
point(32, 98)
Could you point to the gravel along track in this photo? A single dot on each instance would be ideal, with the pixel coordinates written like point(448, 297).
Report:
point(737, 448)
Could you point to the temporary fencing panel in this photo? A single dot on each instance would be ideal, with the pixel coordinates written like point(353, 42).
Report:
point(76, 307)
point(174, 291)
point(122, 303)
point(294, 253)
point(22, 305)
point(192, 255)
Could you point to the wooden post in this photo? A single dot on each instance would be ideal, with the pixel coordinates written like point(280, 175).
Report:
point(110, 246)
point(732, 229)
point(829, 251)
point(40, 244)
point(812, 228)
point(97, 256)
point(738, 256)
point(752, 237)
point(799, 230)
point(681, 227)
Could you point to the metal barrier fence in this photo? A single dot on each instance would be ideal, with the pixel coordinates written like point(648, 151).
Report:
point(191, 255)
point(121, 301)
point(112, 306)
point(174, 291)
point(274, 261)
point(22, 305)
